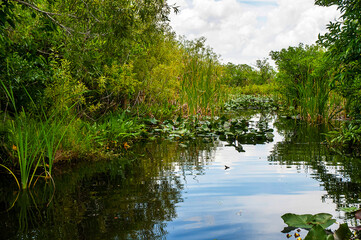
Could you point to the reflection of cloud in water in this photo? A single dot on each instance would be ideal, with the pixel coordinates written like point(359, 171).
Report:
point(261, 215)
point(199, 221)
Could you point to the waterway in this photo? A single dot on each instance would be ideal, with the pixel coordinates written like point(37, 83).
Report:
point(202, 190)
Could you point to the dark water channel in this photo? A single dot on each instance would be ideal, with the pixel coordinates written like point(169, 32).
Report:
point(164, 190)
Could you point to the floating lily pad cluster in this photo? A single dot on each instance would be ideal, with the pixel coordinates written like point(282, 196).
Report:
point(251, 102)
point(233, 130)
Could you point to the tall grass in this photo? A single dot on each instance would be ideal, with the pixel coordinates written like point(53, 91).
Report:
point(201, 88)
point(53, 130)
point(25, 141)
point(317, 103)
point(34, 140)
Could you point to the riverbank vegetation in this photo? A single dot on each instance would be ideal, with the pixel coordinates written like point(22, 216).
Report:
point(85, 80)
point(82, 80)
point(321, 83)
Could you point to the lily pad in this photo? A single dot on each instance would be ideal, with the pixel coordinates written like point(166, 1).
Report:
point(308, 220)
point(318, 233)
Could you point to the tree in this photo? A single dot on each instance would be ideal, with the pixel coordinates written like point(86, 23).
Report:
point(238, 75)
point(343, 44)
point(266, 72)
point(84, 42)
point(298, 67)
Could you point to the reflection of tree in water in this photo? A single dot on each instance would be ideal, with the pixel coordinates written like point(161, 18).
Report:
point(339, 175)
point(117, 199)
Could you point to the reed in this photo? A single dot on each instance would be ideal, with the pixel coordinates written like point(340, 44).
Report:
point(34, 140)
point(53, 130)
point(201, 88)
point(317, 103)
point(26, 142)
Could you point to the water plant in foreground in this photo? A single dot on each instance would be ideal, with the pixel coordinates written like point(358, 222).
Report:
point(26, 142)
point(317, 225)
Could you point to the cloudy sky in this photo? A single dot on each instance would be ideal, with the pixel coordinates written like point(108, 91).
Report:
point(242, 31)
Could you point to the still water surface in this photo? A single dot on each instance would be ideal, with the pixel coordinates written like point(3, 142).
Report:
point(168, 191)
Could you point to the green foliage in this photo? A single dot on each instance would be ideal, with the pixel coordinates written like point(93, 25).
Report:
point(304, 82)
point(235, 131)
point(343, 51)
point(251, 102)
point(27, 137)
point(348, 137)
point(238, 75)
point(201, 87)
point(308, 220)
point(64, 90)
point(294, 65)
point(115, 129)
point(342, 42)
point(317, 232)
point(265, 72)
point(343, 232)
point(7, 15)
point(267, 89)
point(90, 46)
point(159, 68)
point(317, 224)
point(116, 86)
point(245, 75)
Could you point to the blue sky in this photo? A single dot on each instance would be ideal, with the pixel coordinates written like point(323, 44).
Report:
point(242, 31)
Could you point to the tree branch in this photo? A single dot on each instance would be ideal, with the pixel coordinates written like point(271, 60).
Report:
point(36, 8)
point(48, 14)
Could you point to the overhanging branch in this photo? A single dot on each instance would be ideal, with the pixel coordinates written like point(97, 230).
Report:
point(47, 14)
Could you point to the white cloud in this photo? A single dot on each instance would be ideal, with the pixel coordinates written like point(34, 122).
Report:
point(242, 31)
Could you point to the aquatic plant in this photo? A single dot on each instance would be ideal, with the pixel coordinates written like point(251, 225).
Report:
point(346, 138)
point(234, 131)
point(34, 140)
point(316, 225)
point(26, 142)
point(115, 128)
point(251, 102)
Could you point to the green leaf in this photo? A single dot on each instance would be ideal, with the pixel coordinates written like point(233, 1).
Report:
point(318, 233)
point(294, 220)
point(307, 220)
